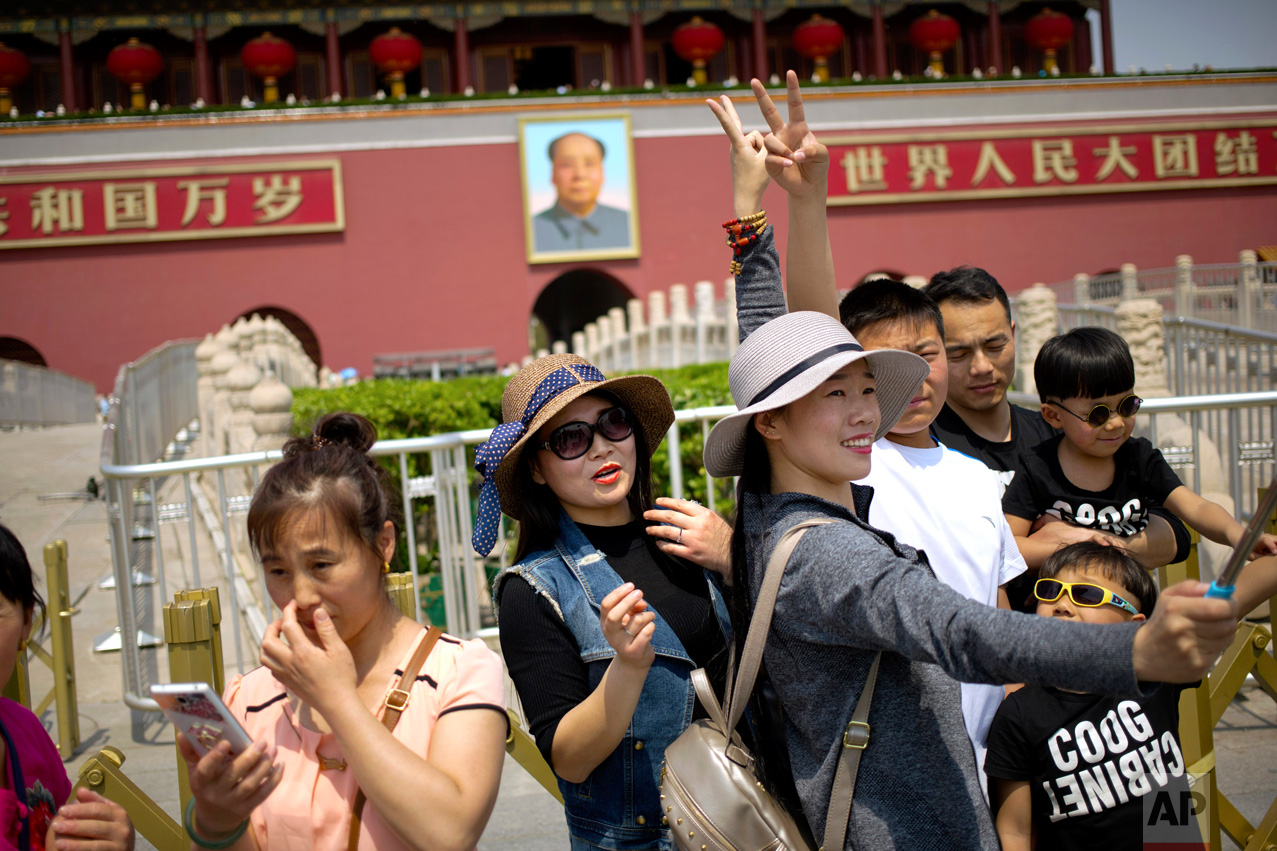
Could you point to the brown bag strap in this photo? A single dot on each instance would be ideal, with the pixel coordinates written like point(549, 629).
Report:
point(396, 701)
point(855, 739)
point(737, 693)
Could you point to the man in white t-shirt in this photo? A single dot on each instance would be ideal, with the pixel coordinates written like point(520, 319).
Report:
point(935, 499)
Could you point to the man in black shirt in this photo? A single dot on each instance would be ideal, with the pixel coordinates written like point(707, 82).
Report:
point(979, 420)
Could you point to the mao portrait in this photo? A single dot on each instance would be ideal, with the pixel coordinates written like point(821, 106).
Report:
point(578, 188)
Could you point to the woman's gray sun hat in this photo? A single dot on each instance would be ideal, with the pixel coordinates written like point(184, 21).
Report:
point(789, 357)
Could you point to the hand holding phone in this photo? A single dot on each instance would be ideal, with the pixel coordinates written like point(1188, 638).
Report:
point(199, 714)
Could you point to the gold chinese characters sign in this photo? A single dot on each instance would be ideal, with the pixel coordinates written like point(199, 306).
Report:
point(1053, 160)
point(164, 204)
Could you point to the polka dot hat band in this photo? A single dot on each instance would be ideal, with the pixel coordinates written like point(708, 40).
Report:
point(538, 392)
point(490, 454)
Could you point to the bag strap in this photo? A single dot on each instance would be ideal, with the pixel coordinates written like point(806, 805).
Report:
point(760, 623)
point(396, 701)
point(855, 739)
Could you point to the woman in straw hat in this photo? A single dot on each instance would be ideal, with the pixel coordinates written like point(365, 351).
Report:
point(601, 623)
point(811, 403)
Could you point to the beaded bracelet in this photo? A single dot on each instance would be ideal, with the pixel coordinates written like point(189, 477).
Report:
point(188, 822)
point(752, 217)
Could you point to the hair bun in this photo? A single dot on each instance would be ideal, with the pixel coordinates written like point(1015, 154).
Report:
point(346, 429)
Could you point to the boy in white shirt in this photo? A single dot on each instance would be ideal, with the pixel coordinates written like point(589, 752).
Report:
point(935, 499)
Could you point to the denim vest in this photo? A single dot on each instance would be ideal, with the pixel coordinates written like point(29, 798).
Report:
point(618, 806)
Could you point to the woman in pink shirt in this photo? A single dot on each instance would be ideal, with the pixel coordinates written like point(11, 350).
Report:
point(321, 522)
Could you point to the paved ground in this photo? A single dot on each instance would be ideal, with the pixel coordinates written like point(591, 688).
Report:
point(61, 460)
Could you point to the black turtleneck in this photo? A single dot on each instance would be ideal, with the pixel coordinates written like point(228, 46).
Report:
point(542, 654)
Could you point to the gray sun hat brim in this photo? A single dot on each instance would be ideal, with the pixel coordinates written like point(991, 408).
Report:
point(897, 377)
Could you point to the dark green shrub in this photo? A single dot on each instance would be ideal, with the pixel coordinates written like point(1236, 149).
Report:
point(403, 408)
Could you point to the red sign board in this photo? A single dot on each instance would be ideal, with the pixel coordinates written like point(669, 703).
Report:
point(163, 204)
point(1044, 161)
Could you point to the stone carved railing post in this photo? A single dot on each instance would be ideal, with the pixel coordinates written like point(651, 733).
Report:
point(559, 347)
point(222, 363)
point(592, 342)
point(1037, 320)
point(1130, 282)
point(227, 338)
point(1081, 289)
point(606, 359)
point(272, 405)
point(1249, 298)
point(704, 293)
point(622, 340)
point(204, 354)
point(640, 345)
point(1184, 286)
point(243, 339)
point(1139, 321)
point(579, 345)
point(657, 323)
point(680, 319)
point(240, 382)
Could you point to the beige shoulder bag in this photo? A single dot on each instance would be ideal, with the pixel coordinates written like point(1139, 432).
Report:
point(711, 795)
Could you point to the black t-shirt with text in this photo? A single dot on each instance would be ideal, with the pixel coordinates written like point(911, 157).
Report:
point(1028, 429)
point(1104, 772)
point(1142, 479)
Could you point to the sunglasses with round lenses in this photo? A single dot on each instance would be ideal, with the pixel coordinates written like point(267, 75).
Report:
point(1082, 593)
point(573, 439)
point(1100, 414)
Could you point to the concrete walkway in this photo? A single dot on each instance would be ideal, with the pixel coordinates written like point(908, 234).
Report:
point(60, 460)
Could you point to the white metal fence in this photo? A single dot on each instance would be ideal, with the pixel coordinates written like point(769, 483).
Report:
point(1202, 358)
point(1242, 294)
point(150, 501)
point(36, 396)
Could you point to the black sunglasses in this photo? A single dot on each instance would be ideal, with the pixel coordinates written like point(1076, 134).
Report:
point(1100, 414)
point(573, 439)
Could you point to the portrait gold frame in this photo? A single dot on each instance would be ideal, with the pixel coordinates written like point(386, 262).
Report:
point(630, 251)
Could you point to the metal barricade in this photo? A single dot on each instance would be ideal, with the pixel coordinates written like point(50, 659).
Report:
point(36, 396)
point(1250, 655)
point(59, 658)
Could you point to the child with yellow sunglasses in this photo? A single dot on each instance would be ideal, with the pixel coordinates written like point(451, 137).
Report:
point(1084, 771)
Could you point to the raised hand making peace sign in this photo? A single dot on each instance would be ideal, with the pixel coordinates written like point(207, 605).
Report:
point(795, 160)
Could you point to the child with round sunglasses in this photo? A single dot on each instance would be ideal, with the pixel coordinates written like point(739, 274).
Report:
point(1094, 474)
point(601, 622)
point(1082, 771)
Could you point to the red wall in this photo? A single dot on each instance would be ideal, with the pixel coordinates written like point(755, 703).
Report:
point(433, 255)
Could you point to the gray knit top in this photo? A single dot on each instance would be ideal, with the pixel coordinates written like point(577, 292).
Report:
point(851, 590)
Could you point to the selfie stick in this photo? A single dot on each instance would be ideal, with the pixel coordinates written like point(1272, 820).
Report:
point(1223, 586)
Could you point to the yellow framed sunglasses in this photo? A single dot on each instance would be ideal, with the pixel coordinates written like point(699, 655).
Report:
point(1086, 594)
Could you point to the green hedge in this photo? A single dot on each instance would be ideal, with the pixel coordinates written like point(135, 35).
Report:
point(403, 408)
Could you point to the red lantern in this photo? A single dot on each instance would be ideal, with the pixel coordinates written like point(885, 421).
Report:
point(14, 68)
point(1048, 31)
point(697, 41)
point(270, 58)
point(816, 38)
point(933, 34)
point(137, 64)
point(395, 53)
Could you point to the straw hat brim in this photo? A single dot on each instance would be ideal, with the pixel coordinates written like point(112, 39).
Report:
point(897, 377)
point(644, 395)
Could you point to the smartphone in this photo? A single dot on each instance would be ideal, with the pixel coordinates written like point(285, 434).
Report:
point(199, 714)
